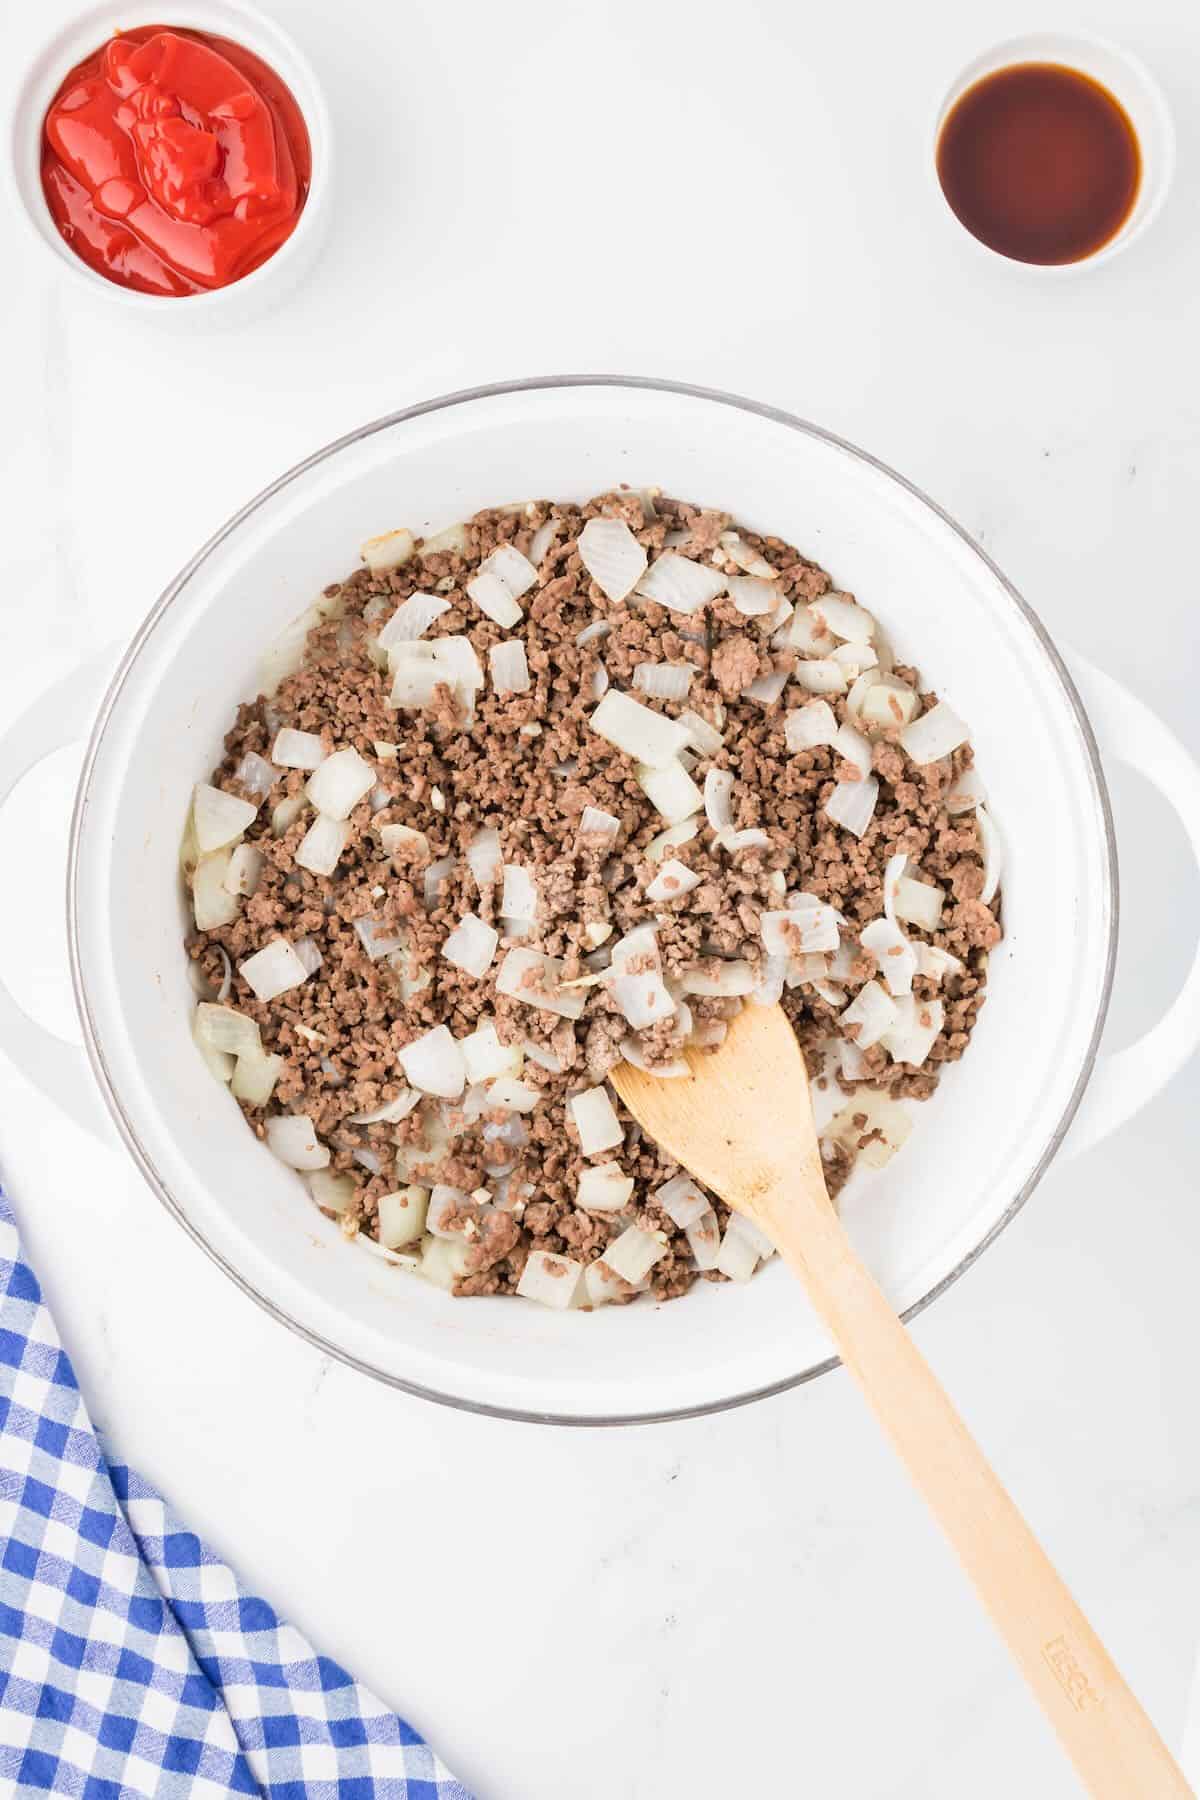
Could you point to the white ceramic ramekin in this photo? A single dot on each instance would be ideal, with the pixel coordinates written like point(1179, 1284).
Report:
point(1129, 80)
point(978, 1147)
point(228, 18)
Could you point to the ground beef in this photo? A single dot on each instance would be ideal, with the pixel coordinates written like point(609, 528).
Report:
point(526, 765)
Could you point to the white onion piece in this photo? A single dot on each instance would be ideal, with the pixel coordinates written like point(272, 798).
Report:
point(675, 835)
point(412, 619)
point(435, 875)
point(741, 1227)
point(704, 1239)
point(535, 980)
point(342, 780)
point(369, 1160)
point(873, 1011)
point(390, 550)
point(852, 804)
point(807, 928)
point(844, 617)
point(642, 998)
point(854, 658)
point(737, 1257)
point(308, 954)
point(663, 681)
point(737, 550)
point(935, 962)
point(674, 879)
point(455, 540)
point(550, 1280)
point(598, 827)
point(542, 539)
point(443, 1262)
point(284, 816)
point(598, 683)
point(486, 1057)
point(459, 663)
point(919, 903)
point(641, 733)
point(771, 976)
point(855, 748)
point(434, 1063)
point(612, 556)
point(492, 597)
point(444, 1203)
point(807, 726)
point(634, 1254)
point(706, 738)
point(322, 845)
point(852, 1062)
point(718, 800)
point(518, 895)
point(599, 628)
point(256, 774)
point(766, 689)
point(896, 957)
point(402, 838)
point(916, 1027)
point(218, 818)
point(803, 632)
point(543, 1056)
point(390, 1112)
point(483, 857)
point(376, 940)
point(293, 1139)
point(871, 1111)
point(732, 979)
point(886, 701)
point(471, 946)
point(604, 1188)
point(224, 1029)
point(753, 838)
point(244, 871)
point(670, 790)
point(297, 749)
point(594, 1118)
point(510, 667)
point(273, 970)
point(681, 1200)
point(777, 624)
point(507, 1094)
point(679, 584)
point(255, 1076)
point(401, 1216)
point(821, 675)
point(832, 995)
point(965, 792)
point(662, 1071)
point(896, 866)
point(380, 798)
point(993, 854)
point(752, 595)
point(935, 734)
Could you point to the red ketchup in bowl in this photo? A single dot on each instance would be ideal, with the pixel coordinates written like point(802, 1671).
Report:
point(174, 162)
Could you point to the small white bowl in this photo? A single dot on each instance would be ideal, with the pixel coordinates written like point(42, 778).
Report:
point(226, 18)
point(1129, 81)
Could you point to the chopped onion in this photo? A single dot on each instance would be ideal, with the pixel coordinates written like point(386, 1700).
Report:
point(401, 1216)
point(803, 633)
point(855, 658)
point(322, 844)
point(778, 624)
point(681, 1200)
point(704, 1239)
point(673, 881)
point(510, 667)
point(871, 1111)
point(843, 616)
point(766, 689)
point(852, 804)
point(218, 818)
point(641, 733)
point(370, 1161)
point(596, 931)
point(284, 816)
point(402, 838)
point(807, 928)
point(224, 1029)
point(227, 975)
point(919, 903)
point(852, 1062)
point(752, 595)
point(771, 976)
point(663, 681)
point(486, 1057)
point(917, 1025)
point(855, 748)
point(662, 1071)
point(435, 1064)
point(935, 734)
point(604, 1188)
point(390, 550)
point(256, 774)
point(993, 854)
point(873, 1011)
point(807, 726)
point(244, 871)
point(507, 1094)
point(342, 780)
point(742, 1227)
point(966, 791)
point(594, 1118)
point(634, 1254)
point(670, 790)
point(273, 970)
point(550, 1280)
point(718, 800)
point(435, 875)
point(376, 939)
point(599, 628)
point(519, 895)
point(412, 619)
point(732, 980)
point(737, 550)
point(255, 1076)
point(706, 738)
point(892, 951)
point(599, 683)
point(886, 701)
point(471, 946)
point(444, 1203)
point(297, 749)
point(612, 556)
point(483, 857)
point(751, 839)
point(455, 540)
point(680, 584)
point(737, 1257)
point(390, 1112)
point(534, 979)
point(292, 1137)
point(682, 833)
point(308, 953)
point(492, 597)
point(443, 1262)
point(821, 675)
point(935, 962)
point(542, 539)
point(896, 866)
point(543, 1056)
point(600, 828)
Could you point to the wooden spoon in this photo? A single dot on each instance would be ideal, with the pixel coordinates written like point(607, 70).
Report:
point(743, 1125)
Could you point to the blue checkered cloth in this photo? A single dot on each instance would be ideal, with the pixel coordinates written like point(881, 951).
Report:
point(132, 1661)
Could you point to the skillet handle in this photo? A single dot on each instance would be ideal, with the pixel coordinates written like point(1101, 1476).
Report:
point(1125, 1080)
point(57, 717)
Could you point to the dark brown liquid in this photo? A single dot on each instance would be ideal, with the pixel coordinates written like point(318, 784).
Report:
point(1040, 163)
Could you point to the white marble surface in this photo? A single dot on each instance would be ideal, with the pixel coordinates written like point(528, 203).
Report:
point(753, 1602)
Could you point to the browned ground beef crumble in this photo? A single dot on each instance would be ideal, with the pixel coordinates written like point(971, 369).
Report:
point(527, 765)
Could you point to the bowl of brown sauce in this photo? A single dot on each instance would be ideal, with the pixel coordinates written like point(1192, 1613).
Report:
point(1055, 151)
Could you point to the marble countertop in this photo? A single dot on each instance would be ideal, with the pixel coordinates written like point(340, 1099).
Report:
point(753, 1602)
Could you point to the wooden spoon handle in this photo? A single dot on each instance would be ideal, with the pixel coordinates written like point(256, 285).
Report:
point(1115, 1748)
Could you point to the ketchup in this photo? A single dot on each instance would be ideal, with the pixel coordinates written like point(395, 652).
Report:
point(174, 162)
